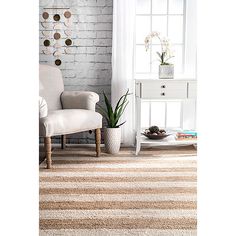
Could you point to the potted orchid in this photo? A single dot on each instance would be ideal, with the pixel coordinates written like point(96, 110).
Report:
point(166, 69)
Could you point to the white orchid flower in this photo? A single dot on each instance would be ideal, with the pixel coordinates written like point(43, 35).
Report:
point(166, 52)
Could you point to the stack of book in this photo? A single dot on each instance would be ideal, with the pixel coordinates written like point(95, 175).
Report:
point(186, 135)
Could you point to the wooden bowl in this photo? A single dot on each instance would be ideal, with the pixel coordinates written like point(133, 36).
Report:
point(153, 136)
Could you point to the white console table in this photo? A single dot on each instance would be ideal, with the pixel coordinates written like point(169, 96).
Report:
point(161, 89)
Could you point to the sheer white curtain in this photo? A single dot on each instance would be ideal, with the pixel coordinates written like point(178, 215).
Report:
point(122, 62)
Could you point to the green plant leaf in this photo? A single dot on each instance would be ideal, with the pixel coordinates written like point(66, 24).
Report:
point(122, 97)
point(120, 124)
point(108, 105)
point(122, 109)
point(112, 117)
point(162, 57)
point(158, 54)
point(120, 106)
point(103, 111)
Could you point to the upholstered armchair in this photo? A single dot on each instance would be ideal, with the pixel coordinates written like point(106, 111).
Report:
point(65, 112)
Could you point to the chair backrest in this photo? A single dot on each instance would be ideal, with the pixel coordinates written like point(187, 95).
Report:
point(51, 86)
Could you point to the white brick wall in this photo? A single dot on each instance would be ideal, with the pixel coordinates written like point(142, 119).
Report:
point(88, 67)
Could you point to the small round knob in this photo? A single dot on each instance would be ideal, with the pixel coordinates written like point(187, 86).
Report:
point(162, 94)
point(163, 86)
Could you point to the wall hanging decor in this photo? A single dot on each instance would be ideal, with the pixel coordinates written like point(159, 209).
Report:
point(47, 51)
point(67, 14)
point(57, 32)
point(46, 34)
point(57, 36)
point(45, 15)
point(67, 24)
point(57, 53)
point(68, 42)
point(57, 26)
point(58, 62)
point(68, 50)
point(56, 17)
point(46, 43)
point(57, 45)
point(68, 32)
point(46, 25)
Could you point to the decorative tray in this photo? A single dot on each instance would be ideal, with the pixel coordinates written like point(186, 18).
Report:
point(156, 136)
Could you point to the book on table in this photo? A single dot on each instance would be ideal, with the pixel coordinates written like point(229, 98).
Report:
point(186, 135)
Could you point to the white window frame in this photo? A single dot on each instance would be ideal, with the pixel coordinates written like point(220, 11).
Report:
point(189, 59)
point(190, 40)
point(189, 43)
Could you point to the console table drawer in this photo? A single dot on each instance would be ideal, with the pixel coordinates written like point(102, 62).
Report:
point(163, 90)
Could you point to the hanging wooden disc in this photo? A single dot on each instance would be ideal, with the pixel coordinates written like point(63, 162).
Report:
point(67, 14)
point(56, 17)
point(68, 42)
point(58, 62)
point(68, 32)
point(46, 43)
point(57, 36)
point(45, 15)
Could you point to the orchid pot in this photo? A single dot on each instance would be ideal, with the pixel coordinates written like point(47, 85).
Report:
point(166, 71)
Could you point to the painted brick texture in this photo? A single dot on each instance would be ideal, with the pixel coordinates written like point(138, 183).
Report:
point(88, 64)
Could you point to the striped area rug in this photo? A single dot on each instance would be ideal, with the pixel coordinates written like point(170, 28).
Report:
point(119, 195)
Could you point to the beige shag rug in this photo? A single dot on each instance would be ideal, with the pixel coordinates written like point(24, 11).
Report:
point(152, 194)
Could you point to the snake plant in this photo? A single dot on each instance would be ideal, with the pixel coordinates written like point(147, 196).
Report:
point(111, 115)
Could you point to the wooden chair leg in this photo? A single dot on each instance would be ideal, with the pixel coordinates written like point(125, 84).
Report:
point(63, 141)
point(98, 142)
point(48, 152)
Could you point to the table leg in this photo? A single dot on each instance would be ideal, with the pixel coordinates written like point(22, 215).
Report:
point(138, 125)
point(138, 145)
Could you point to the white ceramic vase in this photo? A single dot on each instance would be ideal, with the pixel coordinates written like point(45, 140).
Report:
point(166, 71)
point(112, 139)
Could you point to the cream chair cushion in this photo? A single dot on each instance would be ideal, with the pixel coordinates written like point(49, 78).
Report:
point(69, 121)
point(79, 99)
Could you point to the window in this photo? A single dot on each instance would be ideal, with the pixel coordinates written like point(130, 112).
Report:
point(175, 20)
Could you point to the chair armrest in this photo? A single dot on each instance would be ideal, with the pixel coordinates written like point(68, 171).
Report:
point(79, 100)
point(43, 107)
